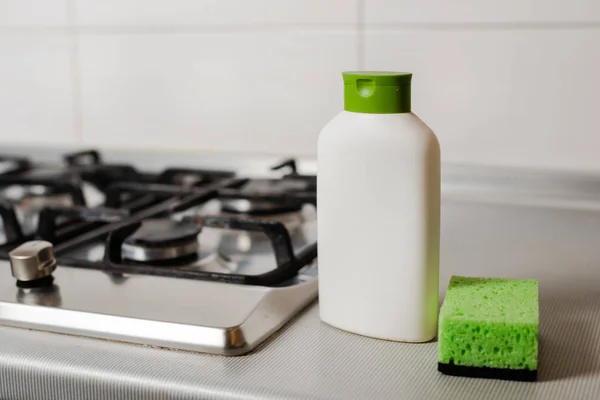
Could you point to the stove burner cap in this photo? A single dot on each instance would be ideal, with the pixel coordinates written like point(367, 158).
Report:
point(162, 240)
point(258, 207)
point(251, 199)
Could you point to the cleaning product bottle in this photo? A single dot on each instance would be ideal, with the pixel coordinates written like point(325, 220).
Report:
point(378, 204)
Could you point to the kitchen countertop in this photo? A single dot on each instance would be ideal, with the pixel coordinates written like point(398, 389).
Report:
point(307, 359)
point(494, 223)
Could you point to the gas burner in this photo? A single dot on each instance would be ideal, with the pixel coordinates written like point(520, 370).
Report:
point(162, 239)
point(30, 199)
point(256, 242)
point(258, 207)
point(263, 197)
point(130, 249)
point(30, 196)
point(44, 184)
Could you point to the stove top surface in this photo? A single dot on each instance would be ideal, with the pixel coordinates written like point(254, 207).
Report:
point(158, 311)
point(196, 259)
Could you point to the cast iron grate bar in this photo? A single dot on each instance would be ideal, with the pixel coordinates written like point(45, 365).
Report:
point(20, 165)
point(288, 264)
point(294, 175)
point(202, 176)
point(10, 223)
point(204, 194)
point(85, 157)
point(89, 167)
point(80, 220)
point(70, 186)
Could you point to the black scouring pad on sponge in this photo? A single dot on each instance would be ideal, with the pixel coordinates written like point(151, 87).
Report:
point(489, 329)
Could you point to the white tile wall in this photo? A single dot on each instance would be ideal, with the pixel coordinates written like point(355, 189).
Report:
point(518, 97)
point(509, 82)
point(36, 104)
point(33, 13)
point(260, 92)
point(215, 12)
point(481, 11)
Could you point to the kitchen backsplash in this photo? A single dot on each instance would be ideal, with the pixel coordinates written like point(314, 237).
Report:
point(502, 82)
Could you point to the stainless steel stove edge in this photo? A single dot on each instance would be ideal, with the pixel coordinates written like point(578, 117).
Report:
point(275, 309)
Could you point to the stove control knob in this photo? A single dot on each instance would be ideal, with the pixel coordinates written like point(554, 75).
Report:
point(32, 264)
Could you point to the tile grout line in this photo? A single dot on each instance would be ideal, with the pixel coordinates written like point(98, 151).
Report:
point(361, 50)
point(294, 28)
point(184, 29)
point(481, 26)
point(75, 70)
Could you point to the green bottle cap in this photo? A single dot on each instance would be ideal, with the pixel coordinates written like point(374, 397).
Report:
point(377, 92)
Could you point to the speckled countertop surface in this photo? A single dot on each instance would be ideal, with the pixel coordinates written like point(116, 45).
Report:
point(308, 359)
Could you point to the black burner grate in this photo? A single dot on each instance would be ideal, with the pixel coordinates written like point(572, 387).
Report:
point(131, 197)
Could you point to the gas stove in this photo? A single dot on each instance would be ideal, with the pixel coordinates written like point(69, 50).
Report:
point(206, 260)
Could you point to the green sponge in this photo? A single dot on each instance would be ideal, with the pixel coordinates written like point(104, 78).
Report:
point(489, 328)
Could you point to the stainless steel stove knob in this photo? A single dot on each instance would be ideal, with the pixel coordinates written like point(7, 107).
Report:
point(32, 264)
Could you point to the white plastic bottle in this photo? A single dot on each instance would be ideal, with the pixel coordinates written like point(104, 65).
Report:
point(378, 199)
